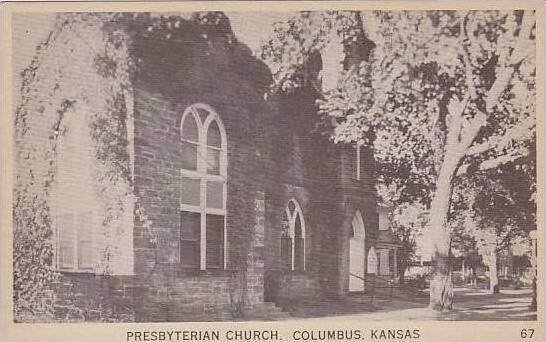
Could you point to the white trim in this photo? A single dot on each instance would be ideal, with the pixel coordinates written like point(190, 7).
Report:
point(203, 236)
point(358, 162)
point(191, 111)
point(204, 177)
point(291, 230)
point(358, 222)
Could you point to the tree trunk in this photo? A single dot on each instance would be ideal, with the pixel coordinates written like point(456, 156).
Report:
point(441, 285)
point(463, 270)
point(493, 275)
point(401, 273)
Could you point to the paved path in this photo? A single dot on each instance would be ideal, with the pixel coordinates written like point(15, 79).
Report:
point(470, 304)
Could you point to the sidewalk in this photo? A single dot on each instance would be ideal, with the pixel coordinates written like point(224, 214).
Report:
point(469, 304)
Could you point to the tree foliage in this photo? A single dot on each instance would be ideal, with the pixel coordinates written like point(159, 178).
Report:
point(442, 94)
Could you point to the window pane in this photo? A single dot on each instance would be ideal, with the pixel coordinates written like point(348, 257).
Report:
point(213, 161)
point(189, 156)
point(298, 253)
point(215, 241)
point(291, 207)
point(190, 130)
point(214, 138)
point(189, 253)
point(66, 240)
point(297, 226)
point(86, 254)
point(189, 191)
point(286, 252)
point(202, 113)
point(190, 225)
point(215, 195)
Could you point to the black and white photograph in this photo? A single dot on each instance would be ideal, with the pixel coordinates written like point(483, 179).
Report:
point(308, 165)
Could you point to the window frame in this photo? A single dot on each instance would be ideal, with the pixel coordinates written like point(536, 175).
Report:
point(78, 263)
point(67, 144)
point(292, 232)
point(204, 177)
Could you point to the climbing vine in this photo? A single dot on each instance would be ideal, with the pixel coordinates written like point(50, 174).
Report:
point(81, 72)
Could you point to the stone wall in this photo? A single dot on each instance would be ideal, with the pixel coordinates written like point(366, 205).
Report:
point(222, 74)
point(92, 297)
point(321, 176)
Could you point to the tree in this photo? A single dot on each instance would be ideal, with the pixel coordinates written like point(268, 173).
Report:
point(463, 246)
point(407, 221)
point(464, 81)
point(494, 221)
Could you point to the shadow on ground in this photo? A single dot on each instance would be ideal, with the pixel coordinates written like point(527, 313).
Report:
point(469, 305)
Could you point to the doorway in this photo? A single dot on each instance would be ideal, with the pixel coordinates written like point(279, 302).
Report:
point(357, 254)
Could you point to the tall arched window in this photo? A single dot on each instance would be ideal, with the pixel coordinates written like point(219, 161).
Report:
point(203, 189)
point(293, 238)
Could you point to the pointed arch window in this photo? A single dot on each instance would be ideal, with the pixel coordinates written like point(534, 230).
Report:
point(372, 266)
point(203, 189)
point(293, 238)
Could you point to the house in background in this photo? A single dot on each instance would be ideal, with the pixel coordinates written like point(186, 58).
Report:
point(239, 189)
point(387, 245)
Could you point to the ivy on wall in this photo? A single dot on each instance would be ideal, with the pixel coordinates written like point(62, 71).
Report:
point(81, 71)
point(84, 72)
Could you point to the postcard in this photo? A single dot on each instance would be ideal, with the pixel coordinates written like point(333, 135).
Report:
point(273, 171)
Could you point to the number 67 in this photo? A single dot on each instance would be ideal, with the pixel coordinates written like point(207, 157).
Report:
point(527, 333)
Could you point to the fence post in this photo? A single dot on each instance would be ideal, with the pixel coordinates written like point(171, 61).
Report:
point(392, 287)
point(373, 289)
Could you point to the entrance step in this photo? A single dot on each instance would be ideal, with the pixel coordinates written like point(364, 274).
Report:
point(330, 307)
point(266, 311)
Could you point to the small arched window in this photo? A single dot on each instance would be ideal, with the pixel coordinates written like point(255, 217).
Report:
point(293, 238)
point(202, 188)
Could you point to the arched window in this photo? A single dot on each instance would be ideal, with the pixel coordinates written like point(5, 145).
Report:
point(202, 188)
point(372, 261)
point(293, 237)
point(75, 206)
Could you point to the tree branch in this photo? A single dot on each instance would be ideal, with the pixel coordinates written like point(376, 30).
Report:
point(517, 132)
point(466, 58)
point(492, 163)
point(520, 53)
point(517, 55)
